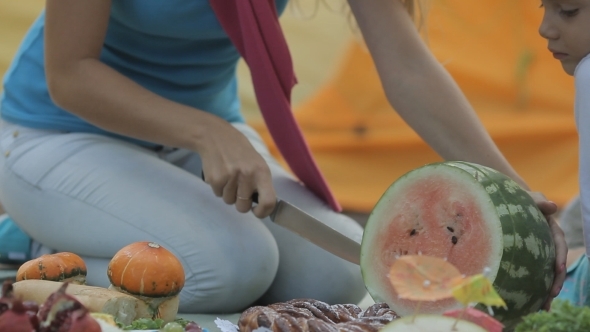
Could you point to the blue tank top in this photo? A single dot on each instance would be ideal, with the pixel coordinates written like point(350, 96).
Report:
point(174, 48)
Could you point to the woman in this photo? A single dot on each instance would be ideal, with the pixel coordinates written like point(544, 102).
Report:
point(114, 109)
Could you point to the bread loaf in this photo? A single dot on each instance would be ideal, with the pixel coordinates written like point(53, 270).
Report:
point(308, 315)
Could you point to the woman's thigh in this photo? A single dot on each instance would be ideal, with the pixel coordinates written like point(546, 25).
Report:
point(92, 195)
point(305, 270)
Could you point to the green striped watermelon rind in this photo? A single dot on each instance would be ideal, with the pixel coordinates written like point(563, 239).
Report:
point(524, 274)
point(527, 270)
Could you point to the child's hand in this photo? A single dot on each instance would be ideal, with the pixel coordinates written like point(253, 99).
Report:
point(549, 208)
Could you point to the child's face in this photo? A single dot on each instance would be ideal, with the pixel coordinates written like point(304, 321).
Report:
point(566, 26)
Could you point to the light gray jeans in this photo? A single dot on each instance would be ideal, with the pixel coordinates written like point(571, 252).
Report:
point(92, 195)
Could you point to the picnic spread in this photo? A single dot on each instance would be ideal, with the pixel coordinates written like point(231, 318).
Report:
point(475, 215)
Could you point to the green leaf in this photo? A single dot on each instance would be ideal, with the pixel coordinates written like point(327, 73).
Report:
point(150, 324)
point(564, 316)
point(145, 324)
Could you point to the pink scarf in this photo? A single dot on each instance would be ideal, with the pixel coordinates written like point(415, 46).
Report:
point(254, 29)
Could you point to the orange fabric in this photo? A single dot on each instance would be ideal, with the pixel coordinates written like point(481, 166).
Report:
point(493, 50)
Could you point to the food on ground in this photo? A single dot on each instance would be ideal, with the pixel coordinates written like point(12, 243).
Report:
point(431, 323)
point(125, 308)
point(151, 273)
point(173, 327)
point(313, 315)
point(478, 219)
point(193, 327)
point(563, 316)
point(61, 266)
point(107, 318)
point(106, 327)
point(14, 314)
point(60, 312)
point(160, 324)
point(63, 312)
point(477, 317)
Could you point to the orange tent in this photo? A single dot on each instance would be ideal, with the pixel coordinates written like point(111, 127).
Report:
point(493, 50)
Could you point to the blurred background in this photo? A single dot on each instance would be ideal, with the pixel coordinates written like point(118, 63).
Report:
point(492, 49)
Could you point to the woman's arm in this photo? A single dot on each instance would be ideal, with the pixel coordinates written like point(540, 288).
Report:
point(429, 100)
point(80, 83)
point(421, 90)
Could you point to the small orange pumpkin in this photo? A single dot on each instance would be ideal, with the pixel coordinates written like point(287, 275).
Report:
point(61, 266)
point(146, 269)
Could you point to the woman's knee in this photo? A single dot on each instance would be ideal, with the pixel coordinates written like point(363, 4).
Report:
point(222, 281)
point(330, 279)
point(308, 271)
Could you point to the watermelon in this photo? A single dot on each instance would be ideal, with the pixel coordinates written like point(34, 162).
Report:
point(477, 317)
point(478, 219)
point(431, 323)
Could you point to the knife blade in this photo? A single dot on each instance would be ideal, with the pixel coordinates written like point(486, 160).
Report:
point(313, 230)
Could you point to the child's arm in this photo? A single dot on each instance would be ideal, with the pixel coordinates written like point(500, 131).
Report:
point(582, 116)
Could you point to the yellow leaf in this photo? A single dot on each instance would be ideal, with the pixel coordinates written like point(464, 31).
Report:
point(477, 289)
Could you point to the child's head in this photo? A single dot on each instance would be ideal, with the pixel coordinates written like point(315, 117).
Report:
point(566, 26)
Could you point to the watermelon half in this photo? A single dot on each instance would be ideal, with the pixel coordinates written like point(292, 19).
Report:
point(431, 323)
point(478, 219)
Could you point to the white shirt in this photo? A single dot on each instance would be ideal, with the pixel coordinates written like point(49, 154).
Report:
point(582, 116)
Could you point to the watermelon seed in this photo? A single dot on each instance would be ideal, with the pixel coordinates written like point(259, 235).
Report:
point(450, 229)
point(454, 239)
point(413, 232)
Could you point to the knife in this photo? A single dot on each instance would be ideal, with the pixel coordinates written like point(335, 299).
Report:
point(308, 227)
point(296, 220)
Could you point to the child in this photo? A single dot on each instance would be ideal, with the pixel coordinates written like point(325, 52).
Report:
point(566, 26)
point(575, 288)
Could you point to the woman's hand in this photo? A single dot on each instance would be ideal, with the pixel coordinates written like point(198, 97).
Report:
point(549, 208)
point(234, 170)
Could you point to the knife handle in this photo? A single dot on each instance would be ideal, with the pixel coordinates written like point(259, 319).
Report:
point(254, 195)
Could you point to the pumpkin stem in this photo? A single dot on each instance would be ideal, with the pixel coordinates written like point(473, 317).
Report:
point(153, 245)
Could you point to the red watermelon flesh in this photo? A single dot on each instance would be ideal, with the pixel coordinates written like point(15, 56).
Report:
point(442, 220)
